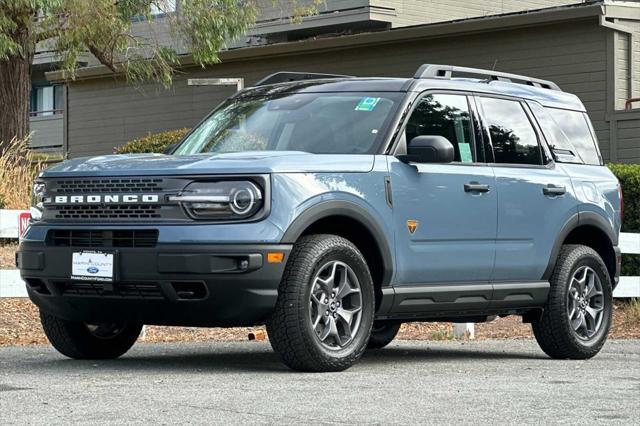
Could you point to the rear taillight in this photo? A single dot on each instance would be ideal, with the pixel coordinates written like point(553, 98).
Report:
point(621, 203)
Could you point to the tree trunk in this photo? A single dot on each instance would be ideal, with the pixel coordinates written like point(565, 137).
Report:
point(15, 88)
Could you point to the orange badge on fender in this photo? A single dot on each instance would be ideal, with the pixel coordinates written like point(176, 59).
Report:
point(412, 225)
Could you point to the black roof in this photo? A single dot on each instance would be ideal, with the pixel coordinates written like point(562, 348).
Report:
point(542, 91)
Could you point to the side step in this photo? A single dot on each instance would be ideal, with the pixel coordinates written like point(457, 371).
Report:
point(462, 299)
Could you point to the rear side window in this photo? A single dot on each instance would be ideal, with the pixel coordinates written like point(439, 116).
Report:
point(512, 136)
point(562, 149)
point(575, 126)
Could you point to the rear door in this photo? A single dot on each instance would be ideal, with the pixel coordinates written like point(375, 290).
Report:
point(535, 198)
point(444, 214)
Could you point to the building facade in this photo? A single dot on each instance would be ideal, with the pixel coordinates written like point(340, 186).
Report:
point(591, 49)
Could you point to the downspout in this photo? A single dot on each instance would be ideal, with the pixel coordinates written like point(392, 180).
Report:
point(65, 122)
point(611, 117)
point(604, 22)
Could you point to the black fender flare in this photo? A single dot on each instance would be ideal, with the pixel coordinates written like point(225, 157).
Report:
point(578, 219)
point(351, 210)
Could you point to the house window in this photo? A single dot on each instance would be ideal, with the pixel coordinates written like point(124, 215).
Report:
point(46, 100)
point(161, 8)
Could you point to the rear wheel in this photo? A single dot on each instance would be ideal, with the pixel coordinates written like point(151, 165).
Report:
point(576, 320)
point(383, 333)
point(325, 306)
point(80, 340)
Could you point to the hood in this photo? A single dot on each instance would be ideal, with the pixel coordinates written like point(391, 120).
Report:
point(229, 163)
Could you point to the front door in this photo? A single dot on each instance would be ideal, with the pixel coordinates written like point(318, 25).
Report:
point(444, 214)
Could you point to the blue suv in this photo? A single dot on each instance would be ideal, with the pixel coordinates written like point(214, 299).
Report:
point(333, 209)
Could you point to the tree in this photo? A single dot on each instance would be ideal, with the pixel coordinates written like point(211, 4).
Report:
point(70, 28)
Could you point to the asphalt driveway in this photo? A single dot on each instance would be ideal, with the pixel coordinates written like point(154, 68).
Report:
point(426, 382)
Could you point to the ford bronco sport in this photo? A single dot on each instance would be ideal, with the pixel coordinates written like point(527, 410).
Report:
point(333, 209)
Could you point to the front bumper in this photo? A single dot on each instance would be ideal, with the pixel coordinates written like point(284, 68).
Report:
point(616, 274)
point(169, 284)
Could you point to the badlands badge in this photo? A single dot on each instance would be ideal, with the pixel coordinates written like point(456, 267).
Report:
point(412, 225)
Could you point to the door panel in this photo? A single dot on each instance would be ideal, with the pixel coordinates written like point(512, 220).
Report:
point(455, 235)
point(529, 220)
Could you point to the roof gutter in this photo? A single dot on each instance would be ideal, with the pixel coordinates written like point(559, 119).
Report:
point(451, 28)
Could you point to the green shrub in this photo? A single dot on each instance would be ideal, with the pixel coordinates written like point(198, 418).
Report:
point(156, 142)
point(629, 177)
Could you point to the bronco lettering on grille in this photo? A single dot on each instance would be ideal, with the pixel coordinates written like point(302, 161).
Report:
point(103, 199)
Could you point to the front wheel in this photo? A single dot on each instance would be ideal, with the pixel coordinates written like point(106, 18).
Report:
point(80, 340)
point(577, 317)
point(325, 306)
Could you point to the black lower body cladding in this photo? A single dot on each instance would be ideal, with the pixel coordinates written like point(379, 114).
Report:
point(182, 284)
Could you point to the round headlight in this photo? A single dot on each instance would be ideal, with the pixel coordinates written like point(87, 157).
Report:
point(243, 200)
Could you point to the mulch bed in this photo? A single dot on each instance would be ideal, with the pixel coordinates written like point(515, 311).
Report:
point(20, 325)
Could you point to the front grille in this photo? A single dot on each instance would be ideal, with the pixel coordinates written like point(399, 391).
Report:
point(102, 238)
point(97, 186)
point(119, 211)
point(81, 210)
point(129, 290)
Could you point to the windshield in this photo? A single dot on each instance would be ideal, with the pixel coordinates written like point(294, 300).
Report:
point(320, 123)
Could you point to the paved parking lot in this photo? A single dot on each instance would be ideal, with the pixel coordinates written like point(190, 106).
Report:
point(426, 382)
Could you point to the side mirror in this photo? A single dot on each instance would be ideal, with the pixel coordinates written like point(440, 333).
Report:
point(169, 149)
point(428, 149)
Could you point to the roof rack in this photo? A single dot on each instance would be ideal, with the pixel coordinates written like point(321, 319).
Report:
point(285, 76)
point(445, 72)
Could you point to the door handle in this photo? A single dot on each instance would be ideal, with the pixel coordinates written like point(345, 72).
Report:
point(476, 187)
point(553, 190)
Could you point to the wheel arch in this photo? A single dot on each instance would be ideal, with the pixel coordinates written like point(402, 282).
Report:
point(353, 222)
point(592, 230)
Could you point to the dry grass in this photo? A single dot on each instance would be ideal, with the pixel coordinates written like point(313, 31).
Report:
point(7, 254)
point(18, 168)
point(632, 311)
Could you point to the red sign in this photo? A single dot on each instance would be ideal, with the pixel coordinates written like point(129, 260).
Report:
point(23, 223)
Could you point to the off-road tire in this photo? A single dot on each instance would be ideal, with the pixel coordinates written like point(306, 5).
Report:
point(290, 328)
point(382, 334)
point(75, 340)
point(553, 329)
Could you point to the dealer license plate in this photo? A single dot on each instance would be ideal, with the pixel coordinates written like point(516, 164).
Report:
point(92, 266)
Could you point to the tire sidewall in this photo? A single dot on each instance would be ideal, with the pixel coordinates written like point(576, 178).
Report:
point(75, 340)
point(383, 334)
point(595, 342)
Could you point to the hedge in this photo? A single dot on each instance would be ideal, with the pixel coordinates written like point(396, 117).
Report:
point(629, 177)
point(153, 142)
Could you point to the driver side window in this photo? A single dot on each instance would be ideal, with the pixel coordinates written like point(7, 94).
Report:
point(445, 115)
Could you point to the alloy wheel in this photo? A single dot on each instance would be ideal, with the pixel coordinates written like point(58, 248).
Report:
point(585, 303)
point(335, 305)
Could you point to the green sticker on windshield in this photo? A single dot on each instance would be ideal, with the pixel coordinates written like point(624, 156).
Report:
point(465, 153)
point(367, 104)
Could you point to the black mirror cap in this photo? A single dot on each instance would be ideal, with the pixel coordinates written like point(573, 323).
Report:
point(428, 149)
point(169, 149)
